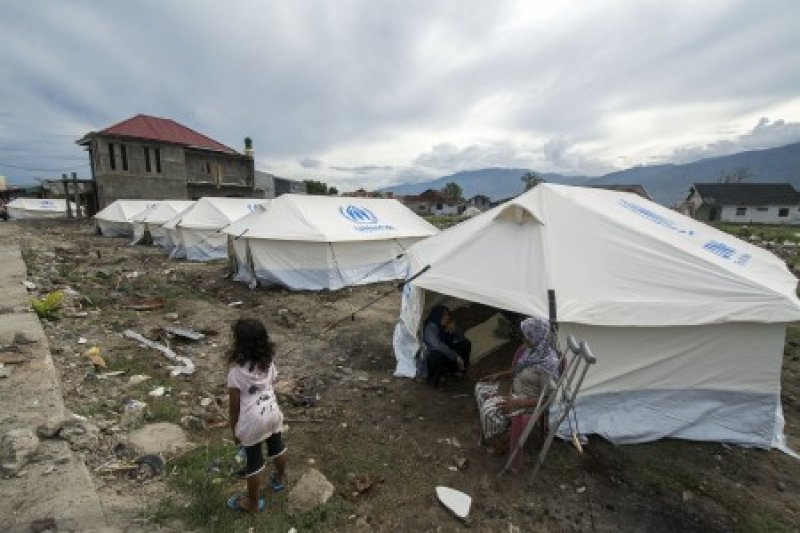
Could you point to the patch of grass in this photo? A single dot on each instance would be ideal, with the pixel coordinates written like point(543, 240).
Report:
point(201, 476)
point(443, 221)
point(164, 409)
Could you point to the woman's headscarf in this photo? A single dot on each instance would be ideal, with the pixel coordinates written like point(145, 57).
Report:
point(436, 314)
point(541, 354)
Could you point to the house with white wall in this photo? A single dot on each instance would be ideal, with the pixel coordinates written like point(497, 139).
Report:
point(431, 202)
point(743, 203)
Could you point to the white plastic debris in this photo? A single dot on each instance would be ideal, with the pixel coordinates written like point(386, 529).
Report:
point(158, 391)
point(455, 501)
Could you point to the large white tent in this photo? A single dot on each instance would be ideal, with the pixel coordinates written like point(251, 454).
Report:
point(688, 323)
point(151, 219)
point(195, 233)
point(324, 242)
point(116, 220)
point(24, 208)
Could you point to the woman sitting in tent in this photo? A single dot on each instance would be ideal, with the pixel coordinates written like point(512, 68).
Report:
point(446, 349)
point(534, 363)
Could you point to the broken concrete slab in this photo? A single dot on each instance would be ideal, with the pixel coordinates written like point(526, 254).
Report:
point(159, 438)
point(16, 449)
point(311, 490)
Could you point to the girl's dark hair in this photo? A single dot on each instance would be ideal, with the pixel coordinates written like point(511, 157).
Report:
point(251, 344)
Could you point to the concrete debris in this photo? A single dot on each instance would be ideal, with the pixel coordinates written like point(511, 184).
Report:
point(136, 379)
point(186, 366)
point(312, 489)
point(5, 371)
point(185, 333)
point(158, 392)
point(159, 438)
point(193, 423)
point(16, 449)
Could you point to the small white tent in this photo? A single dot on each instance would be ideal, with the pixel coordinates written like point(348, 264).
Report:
point(150, 220)
point(687, 322)
point(23, 208)
point(195, 233)
point(324, 242)
point(116, 220)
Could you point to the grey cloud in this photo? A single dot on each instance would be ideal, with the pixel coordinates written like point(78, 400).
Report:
point(363, 169)
point(765, 134)
point(309, 163)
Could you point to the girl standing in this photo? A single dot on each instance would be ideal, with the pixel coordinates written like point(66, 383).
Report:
point(255, 417)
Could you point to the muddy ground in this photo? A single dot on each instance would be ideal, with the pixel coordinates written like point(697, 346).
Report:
point(348, 417)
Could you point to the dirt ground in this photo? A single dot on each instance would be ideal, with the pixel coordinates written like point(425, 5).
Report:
point(350, 418)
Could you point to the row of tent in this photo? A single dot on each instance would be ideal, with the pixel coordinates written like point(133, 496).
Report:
point(688, 323)
point(296, 241)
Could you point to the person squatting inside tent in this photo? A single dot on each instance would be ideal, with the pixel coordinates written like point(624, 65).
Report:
point(445, 349)
point(534, 363)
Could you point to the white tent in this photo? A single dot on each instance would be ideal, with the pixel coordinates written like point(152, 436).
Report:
point(324, 242)
point(24, 208)
point(195, 233)
point(151, 219)
point(116, 220)
point(687, 322)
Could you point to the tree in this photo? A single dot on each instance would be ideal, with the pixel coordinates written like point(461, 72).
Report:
point(319, 188)
point(452, 191)
point(531, 180)
point(737, 175)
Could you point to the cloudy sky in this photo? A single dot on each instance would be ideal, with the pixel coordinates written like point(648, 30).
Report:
point(373, 92)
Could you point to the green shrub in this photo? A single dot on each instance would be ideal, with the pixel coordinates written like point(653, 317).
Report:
point(49, 306)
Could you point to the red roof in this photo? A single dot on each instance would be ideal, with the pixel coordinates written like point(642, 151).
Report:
point(165, 130)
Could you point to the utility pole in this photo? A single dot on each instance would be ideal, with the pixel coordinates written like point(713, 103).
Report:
point(66, 194)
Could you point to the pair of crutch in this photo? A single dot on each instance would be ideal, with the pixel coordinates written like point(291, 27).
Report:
point(578, 358)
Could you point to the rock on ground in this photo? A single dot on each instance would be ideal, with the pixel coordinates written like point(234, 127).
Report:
point(311, 490)
point(159, 438)
point(16, 448)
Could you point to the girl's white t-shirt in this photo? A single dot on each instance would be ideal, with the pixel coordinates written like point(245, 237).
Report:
point(259, 414)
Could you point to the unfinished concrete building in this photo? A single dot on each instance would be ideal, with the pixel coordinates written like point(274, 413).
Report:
point(147, 157)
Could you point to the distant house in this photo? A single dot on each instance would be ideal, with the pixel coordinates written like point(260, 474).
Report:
point(746, 203)
point(635, 189)
point(480, 201)
point(148, 157)
point(270, 186)
point(431, 202)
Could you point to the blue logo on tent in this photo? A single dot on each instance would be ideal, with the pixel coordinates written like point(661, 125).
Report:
point(359, 215)
point(47, 204)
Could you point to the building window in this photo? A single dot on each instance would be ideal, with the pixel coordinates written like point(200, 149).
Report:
point(762, 209)
point(112, 161)
point(124, 152)
point(439, 207)
point(783, 212)
point(157, 153)
point(741, 211)
point(147, 166)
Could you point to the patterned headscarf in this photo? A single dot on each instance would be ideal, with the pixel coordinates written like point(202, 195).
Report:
point(541, 354)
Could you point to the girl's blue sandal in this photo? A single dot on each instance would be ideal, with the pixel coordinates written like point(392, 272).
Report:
point(276, 485)
point(233, 503)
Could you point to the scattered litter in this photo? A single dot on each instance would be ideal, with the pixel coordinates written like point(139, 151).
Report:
point(82, 340)
point(106, 375)
point(236, 304)
point(79, 314)
point(149, 304)
point(580, 490)
point(205, 402)
point(29, 285)
point(455, 501)
point(93, 354)
point(158, 391)
point(185, 333)
point(171, 316)
point(149, 466)
point(138, 378)
point(132, 275)
point(364, 483)
point(452, 468)
point(186, 367)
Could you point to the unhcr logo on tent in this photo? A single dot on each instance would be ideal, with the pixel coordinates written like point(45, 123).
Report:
point(359, 215)
point(364, 219)
point(47, 204)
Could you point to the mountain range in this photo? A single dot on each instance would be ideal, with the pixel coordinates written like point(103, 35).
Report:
point(667, 184)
